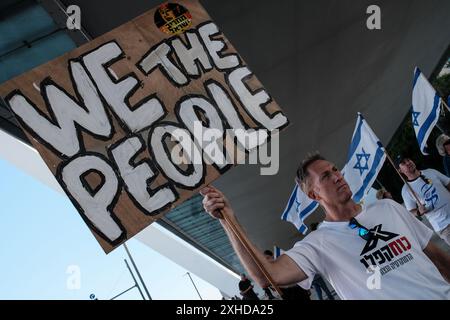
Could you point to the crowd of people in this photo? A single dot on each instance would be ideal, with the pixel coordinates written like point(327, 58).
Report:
point(355, 241)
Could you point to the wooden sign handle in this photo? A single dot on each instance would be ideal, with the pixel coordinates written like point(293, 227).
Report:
point(243, 241)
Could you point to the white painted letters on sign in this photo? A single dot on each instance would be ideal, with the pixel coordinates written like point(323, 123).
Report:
point(133, 123)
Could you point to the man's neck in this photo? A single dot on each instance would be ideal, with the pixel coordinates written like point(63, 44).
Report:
point(342, 212)
point(413, 175)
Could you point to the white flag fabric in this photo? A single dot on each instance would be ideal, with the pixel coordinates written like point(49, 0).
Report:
point(277, 251)
point(425, 109)
point(365, 159)
point(299, 207)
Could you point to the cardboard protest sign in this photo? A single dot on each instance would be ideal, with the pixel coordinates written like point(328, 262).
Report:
point(116, 120)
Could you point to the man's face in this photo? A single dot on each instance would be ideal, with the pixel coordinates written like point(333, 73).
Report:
point(447, 148)
point(327, 183)
point(407, 166)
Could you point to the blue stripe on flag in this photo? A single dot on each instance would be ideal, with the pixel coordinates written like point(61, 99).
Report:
point(356, 139)
point(290, 203)
point(305, 212)
point(430, 119)
point(370, 175)
point(416, 76)
point(303, 228)
point(276, 252)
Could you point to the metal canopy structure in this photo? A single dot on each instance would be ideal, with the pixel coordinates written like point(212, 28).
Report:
point(321, 64)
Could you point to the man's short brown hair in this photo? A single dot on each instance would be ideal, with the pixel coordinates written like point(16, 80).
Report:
point(302, 171)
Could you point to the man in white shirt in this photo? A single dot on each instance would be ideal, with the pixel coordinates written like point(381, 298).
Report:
point(377, 252)
point(432, 189)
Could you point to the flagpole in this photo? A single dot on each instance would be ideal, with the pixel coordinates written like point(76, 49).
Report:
point(404, 180)
point(445, 104)
point(251, 253)
point(440, 129)
point(439, 115)
point(379, 182)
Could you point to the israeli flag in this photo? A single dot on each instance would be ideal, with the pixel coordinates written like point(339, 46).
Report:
point(299, 207)
point(365, 159)
point(277, 251)
point(425, 109)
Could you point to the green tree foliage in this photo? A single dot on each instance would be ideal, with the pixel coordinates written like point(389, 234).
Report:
point(442, 85)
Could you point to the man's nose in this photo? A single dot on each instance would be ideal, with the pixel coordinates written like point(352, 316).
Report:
point(337, 176)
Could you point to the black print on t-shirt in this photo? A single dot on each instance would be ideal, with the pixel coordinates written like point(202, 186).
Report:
point(389, 257)
point(375, 234)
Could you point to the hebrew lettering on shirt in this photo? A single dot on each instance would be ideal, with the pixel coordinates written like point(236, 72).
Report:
point(378, 255)
point(387, 252)
point(404, 239)
point(370, 257)
point(395, 248)
point(364, 262)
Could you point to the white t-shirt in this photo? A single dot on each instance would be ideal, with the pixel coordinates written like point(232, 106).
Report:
point(435, 196)
point(340, 255)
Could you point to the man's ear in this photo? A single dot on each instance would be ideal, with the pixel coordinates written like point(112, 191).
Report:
point(313, 195)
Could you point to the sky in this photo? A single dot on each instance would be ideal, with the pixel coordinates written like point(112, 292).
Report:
point(47, 252)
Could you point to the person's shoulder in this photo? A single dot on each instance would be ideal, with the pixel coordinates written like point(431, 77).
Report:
point(382, 202)
point(429, 171)
point(433, 173)
point(375, 204)
point(309, 246)
point(312, 238)
point(384, 205)
point(405, 191)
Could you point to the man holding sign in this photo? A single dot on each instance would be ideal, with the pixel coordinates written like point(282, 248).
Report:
point(134, 122)
point(351, 247)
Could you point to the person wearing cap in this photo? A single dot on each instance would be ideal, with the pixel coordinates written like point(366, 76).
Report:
point(432, 189)
point(443, 147)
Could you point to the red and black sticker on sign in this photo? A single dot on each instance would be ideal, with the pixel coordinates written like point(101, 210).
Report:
point(172, 18)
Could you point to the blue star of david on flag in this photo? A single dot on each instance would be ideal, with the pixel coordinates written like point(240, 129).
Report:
point(359, 157)
point(297, 204)
point(363, 167)
point(415, 121)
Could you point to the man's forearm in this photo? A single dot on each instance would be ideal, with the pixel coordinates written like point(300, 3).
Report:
point(282, 271)
point(443, 265)
point(244, 256)
point(440, 259)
